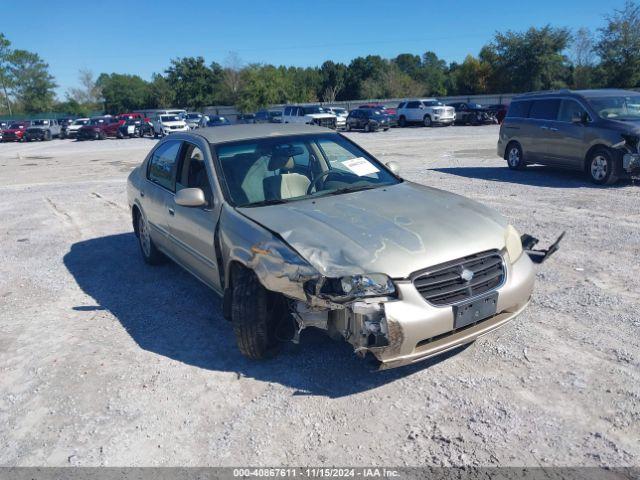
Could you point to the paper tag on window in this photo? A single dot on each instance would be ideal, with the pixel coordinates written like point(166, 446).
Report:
point(360, 166)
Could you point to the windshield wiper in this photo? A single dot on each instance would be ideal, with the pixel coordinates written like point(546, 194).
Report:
point(273, 201)
point(352, 189)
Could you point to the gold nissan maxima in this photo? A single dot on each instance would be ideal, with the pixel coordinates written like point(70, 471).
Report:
point(297, 226)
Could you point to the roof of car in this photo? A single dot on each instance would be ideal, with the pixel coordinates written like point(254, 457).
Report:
point(236, 133)
point(598, 92)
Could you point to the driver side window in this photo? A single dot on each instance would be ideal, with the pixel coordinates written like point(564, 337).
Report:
point(192, 171)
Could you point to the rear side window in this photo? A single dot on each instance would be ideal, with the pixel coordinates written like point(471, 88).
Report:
point(519, 109)
point(545, 109)
point(162, 165)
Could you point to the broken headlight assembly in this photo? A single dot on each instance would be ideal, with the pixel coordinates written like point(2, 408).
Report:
point(351, 287)
point(513, 243)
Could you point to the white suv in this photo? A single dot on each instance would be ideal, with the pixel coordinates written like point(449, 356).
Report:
point(164, 124)
point(427, 111)
point(310, 115)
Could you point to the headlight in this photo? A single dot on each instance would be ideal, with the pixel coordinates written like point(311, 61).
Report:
point(371, 285)
point(513, 243)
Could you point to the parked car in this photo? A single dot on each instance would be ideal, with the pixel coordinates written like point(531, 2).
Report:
point(15, 131)
point(99, 128)
point(341, 116)
point(72, 129)
point(498, 110)
point(246, 118)
point(391, 113)
point(195, 120)
point(594, 131)
point(296, 226)
point(269, 116)
point(425, 111)
point(42, 129)
point(367, 119)
point(129, 128)
point(129, 116)
point(164, 124)
point(218, 121)
point(468, 113)
point(310, 115)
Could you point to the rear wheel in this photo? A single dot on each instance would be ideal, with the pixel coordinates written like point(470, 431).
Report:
point(402, 121)
point(514, 156)
point(255, 315)
point(601, 167)
point(150, 253)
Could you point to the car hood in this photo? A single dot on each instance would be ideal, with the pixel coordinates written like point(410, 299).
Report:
point(174, 124)
point(320, 115)
point(394, 230)
point(631, 126)
point(13, 130)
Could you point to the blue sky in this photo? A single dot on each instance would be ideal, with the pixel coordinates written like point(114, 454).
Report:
point(141, 38)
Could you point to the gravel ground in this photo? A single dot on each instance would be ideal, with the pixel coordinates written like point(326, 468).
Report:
point(106, 361)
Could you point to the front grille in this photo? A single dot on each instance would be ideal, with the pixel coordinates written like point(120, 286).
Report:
point(325, 122)
point(443, 284)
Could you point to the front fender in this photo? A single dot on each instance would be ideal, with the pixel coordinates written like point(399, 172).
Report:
point(278, 267)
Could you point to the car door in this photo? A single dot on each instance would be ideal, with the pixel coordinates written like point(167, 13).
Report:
point(542, 116)
point(566, 137)
point(157, 193)
point(193, 228)
point(413, 111)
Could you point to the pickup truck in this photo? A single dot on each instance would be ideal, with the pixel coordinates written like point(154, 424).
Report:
point(310, 115)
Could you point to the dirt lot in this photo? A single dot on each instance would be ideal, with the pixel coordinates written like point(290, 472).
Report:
point(106, 361)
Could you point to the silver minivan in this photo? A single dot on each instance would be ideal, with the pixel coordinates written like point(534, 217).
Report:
point(595, 131)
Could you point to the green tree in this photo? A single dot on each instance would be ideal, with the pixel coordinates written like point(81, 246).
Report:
point(32, 84)
point(5, 55)
point(122, 93)
point(471, 77)
point(160, 93)
point(527, 61)
point(409, 64)
point(433, 74)
point(332, 80)
point(619, 47)
point(583, 59)
point(196, 84)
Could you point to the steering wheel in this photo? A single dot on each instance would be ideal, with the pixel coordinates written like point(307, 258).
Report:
point(316, 180)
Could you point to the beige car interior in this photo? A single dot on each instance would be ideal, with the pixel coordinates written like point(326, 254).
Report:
point(194, 173)
point(285, 184)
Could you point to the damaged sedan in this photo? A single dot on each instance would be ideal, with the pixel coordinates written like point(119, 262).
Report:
point(296, 226)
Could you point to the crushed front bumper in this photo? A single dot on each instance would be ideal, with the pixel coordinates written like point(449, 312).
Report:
point(419, 330)
point(631, 163)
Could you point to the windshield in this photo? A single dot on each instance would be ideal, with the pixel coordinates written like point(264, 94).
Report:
point(433, 103)
point(192, 116)
point(283, 169)
point(170, 118)
point(618, 108)
point(312, 110)
point(275, 113)
point(96, 121)
point(40, 122)
point(80, 122)
point(16, 126)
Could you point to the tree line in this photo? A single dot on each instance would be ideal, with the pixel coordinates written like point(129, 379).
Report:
point(512, 62)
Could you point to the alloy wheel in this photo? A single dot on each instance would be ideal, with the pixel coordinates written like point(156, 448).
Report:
point(599, 167)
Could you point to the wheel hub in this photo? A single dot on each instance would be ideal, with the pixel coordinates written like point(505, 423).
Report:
point(599, 167)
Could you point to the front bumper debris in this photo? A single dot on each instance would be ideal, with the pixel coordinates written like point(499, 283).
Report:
point(631, 163)
point(539, 256)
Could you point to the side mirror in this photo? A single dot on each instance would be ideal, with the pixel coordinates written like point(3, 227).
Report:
point(190, 197)
point(577, 118)
point(394, 167)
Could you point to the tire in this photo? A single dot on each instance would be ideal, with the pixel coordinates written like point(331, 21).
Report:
point(386, 129)
point(514, 156)
point(402, 122)
point(119, 135)
point(150, 253)
point(367, 128)
point(253, 317)
point(601, 167)
point(62, 135)
point(427, 121)
point(101, 136)
point(47, 136)
point(348, 127)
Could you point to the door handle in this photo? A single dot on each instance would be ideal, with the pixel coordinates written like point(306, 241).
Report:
point(544, 127)
point(171, 211)
point(142, 194)
point(553, 129)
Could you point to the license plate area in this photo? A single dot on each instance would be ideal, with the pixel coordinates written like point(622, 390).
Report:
point(474, 311)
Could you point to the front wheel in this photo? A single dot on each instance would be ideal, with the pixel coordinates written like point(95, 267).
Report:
point(601, 167)
point(254, 315)
point(367, 128)
point(514, 156)
point(427, 121)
